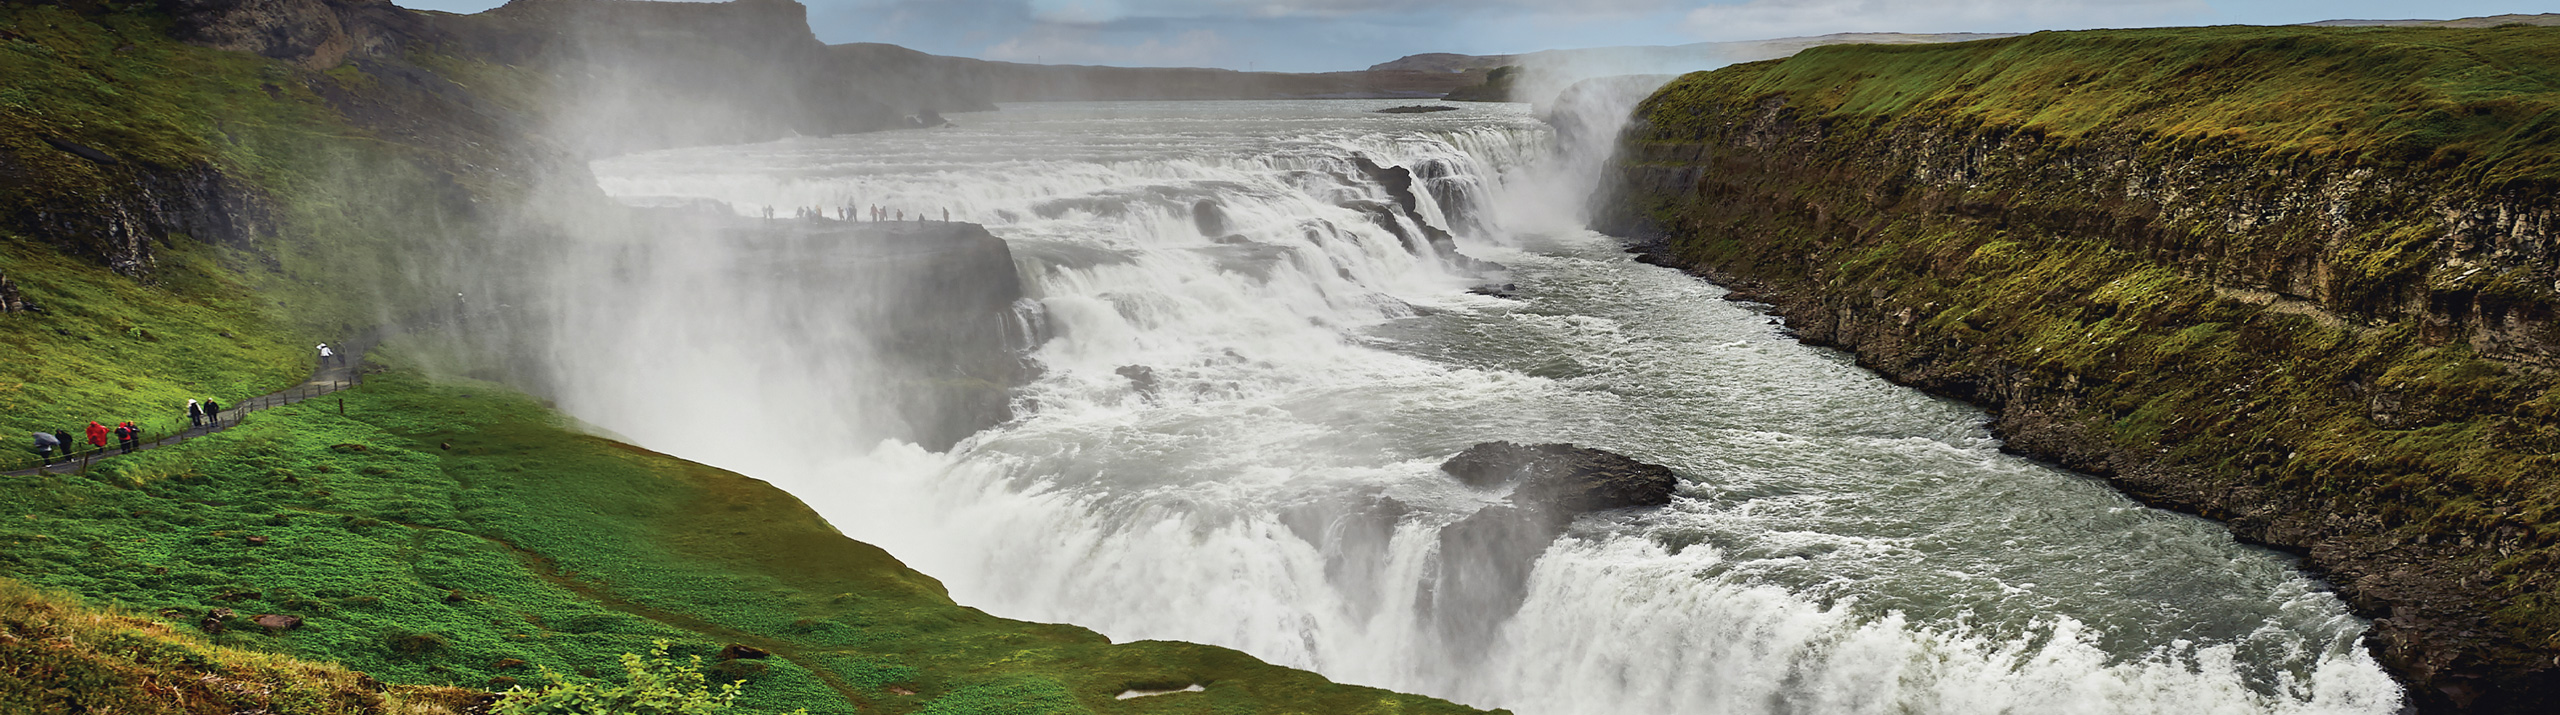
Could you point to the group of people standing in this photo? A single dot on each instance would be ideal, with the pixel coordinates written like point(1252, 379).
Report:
point(845, 213)
point(61, 444)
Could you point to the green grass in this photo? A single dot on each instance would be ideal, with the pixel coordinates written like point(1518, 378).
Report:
point(527, 546)
point(59, 655)
point(349, 228)
point(2483, 100)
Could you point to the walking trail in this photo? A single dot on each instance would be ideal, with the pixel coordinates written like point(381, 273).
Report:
point(327, 379)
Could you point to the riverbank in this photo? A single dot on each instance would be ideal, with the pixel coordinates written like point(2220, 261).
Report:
point(2306, 300)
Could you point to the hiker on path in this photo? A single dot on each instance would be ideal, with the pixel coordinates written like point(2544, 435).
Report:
point(213, 412)
point(98, 435)
point(946, 214)
point(44, 446)
point(195, 414)
point(326, 354)
point(126, 434)
point(64, 438)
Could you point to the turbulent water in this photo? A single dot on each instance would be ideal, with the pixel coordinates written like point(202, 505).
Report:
point(1838, 544)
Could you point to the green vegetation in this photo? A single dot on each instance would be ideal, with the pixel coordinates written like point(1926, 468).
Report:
point(652, 685)
point(2482, 100)
point(338, 226)
point(58, 655)
point(2068, 214)
point(526, 547)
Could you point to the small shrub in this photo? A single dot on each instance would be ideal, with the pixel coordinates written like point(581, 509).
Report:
point(656, 685)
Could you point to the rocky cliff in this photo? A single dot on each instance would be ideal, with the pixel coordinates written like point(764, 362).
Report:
point(2299, 280)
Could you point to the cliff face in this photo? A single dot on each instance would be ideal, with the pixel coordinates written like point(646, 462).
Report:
point(2297, 280)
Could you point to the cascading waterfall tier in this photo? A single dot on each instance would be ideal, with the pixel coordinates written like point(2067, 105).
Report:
point(1255, 359)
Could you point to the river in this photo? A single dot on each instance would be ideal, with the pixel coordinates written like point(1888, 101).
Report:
point(1839, 544)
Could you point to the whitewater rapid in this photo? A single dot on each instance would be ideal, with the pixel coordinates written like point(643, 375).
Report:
point(1838, 545)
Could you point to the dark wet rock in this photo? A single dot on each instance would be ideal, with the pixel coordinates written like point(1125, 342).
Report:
point(932, 119)
point(1418, 109)
point(1232, 239)
point(736, 651)
point(1141, 377)
point(1209, 217)
point(277, 622)
point(1575, 479)
point(1498, 290)
point(1397, 181)
point(1485, 559)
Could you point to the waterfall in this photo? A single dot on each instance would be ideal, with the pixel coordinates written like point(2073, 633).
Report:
point(1255, 359)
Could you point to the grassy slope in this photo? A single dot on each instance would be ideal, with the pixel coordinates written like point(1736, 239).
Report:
point(339, 250)
point(528, 546)
point(2482, 98)
point(2253, 396)
point(59, 655)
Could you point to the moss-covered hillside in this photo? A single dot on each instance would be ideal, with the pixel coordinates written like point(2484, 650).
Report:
point(2298, 279)
point(180, 222)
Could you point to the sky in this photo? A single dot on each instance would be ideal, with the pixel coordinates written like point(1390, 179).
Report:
point(1328, 35)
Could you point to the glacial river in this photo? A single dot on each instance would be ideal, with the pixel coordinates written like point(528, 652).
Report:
point(1838, 544)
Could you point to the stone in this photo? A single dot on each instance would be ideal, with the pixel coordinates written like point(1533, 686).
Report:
point(277, 622)
point(736, 651)
point(1575, 479)
point(1141, 377)
point(1210, 218)
point(1485, 558)
point(1418, 109)
point(256, 540)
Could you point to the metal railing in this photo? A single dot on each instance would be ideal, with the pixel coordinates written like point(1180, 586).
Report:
point(173, 431)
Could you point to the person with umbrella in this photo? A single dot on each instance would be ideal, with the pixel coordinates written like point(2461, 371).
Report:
point(45, 444)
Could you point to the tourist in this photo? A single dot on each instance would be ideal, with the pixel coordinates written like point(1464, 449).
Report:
point(98, 435)
point(213, 412)
point(124, 437)
point(44, 446)
point(195, 414)
point(325, 354)
point(946, 214)
point(902, 214)
point(63, 438)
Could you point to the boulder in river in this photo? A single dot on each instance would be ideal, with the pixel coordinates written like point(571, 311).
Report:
point(1209, 217)
point(1418, 109)
point(1485, 559)
point(1574, 479)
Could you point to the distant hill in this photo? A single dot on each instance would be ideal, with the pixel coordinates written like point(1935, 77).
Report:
point(1651, 59)
point(2490, 21)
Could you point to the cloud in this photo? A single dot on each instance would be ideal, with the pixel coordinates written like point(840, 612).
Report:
point(1059, 44)
point(1763, 19)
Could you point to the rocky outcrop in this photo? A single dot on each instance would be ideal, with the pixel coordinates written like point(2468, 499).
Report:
point(316, 34)
point(2216, 326)
point(1485, 559)
point(86, 202)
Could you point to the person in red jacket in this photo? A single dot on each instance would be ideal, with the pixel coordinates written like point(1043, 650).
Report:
point(98, 435)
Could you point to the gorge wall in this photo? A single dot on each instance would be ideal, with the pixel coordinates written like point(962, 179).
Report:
point(2298, 280)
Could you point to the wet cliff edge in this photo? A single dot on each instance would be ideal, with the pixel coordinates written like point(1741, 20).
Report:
point(2338, 343)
